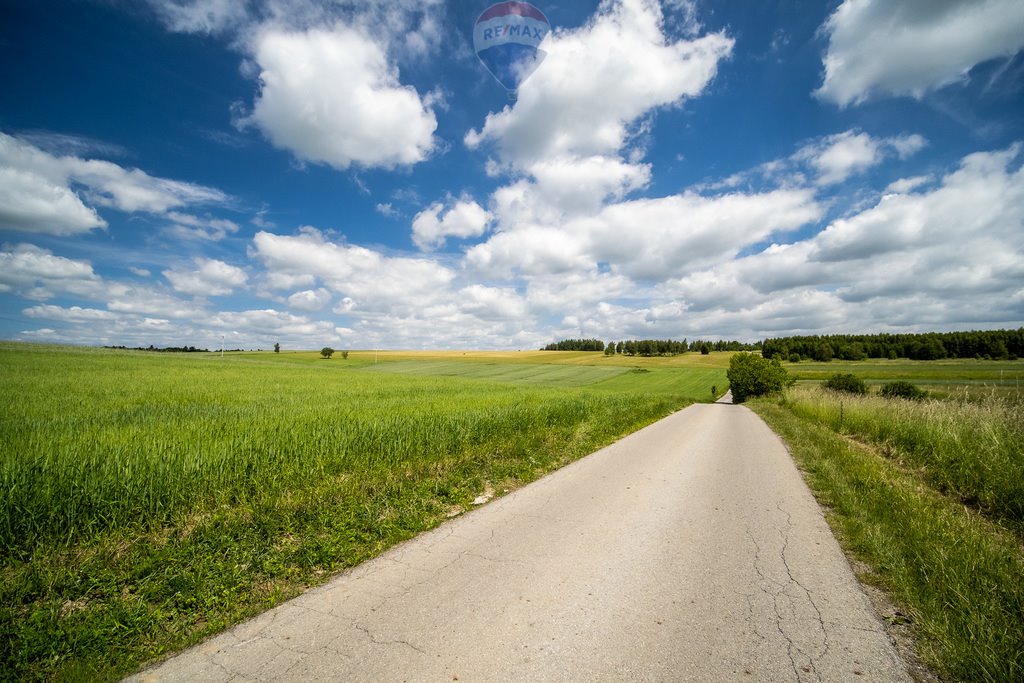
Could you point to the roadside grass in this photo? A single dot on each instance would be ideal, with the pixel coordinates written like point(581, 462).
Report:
point(893, 479)
point(149, 500)
point(973, 450)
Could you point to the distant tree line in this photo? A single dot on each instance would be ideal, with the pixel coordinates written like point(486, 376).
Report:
point(575, 345)
point(723, 345)
point(995, 344)
point(649, 347)
point(166, 349)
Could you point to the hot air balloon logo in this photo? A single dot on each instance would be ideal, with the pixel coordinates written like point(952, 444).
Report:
point(506, 39)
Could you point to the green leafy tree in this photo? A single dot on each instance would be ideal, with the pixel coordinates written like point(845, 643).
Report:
point(750, 375)
point(610, 349)
point(277, 347)
point(327, 352)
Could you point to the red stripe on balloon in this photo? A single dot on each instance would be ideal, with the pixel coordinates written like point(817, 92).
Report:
point(503, 9)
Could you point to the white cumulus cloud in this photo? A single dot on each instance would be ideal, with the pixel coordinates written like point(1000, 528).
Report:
point(333, 96)
point(372, 281)
point(844, 155)
point(828, 160)
point(30, 202)
point(36, 192)
point(835, 158)
point(948, 255)
point(211, 277)
point(913, 46)
point(189, 227)
point(37, 273)
point(310, 299)
point(463, 218)
point(74, 314)
point(582, 185)
point(981, 202)
point(649, 239)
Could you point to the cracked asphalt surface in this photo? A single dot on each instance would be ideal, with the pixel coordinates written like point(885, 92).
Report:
point(688, 551)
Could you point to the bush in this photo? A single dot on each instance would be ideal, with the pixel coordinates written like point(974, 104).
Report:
point(753, 375)
point(794, 358)
point(847, 383)
point(902, 389)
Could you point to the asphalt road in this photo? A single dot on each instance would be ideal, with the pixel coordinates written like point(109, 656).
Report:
point(689, 551)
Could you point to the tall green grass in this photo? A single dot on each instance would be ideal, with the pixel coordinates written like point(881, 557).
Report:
point(973, 450)
point(147, 500)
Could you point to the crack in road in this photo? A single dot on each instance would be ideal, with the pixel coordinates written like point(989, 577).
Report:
point(785, 604)
point(810, 598)
point(373, 639)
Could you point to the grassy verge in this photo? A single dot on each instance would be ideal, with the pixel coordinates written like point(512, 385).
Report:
point(149, 500)
point(971, 450)
point(956, 572)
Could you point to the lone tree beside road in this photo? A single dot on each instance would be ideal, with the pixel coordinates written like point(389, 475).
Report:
point(750, 374)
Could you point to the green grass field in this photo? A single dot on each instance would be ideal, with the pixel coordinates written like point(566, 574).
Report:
point(693, 382)
point(148, 500)
point(943, 378)
point(516, 373)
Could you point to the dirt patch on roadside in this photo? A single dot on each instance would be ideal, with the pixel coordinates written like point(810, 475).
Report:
point(899, 625)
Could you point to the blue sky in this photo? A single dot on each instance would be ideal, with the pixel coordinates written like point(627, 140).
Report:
point(348, 173)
